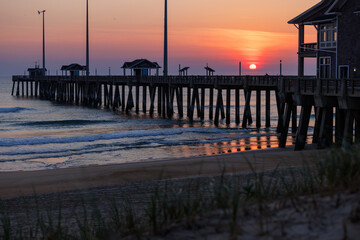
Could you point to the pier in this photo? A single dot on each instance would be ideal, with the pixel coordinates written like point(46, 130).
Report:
point(326, 97)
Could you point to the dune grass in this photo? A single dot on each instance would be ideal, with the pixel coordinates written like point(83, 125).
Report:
point(338, 170)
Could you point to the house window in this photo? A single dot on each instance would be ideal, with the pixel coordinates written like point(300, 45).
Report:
point(325, 67)
point(328, 36)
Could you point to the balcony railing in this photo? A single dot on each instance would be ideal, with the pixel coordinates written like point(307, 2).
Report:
point(308, 47)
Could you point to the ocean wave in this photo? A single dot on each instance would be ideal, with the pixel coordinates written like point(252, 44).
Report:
point(25, 154)
point(64, 123)
point(8, 142)
point(13, 110)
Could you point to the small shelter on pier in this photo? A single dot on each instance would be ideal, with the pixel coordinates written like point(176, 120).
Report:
point(183, 71)
point(337, 48)
point(141, 67)
point(36, 71)
point(209, 71)
point(73, 69)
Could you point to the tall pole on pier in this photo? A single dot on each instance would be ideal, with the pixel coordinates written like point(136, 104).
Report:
point(43, 12)
point(87, 39)
point(240, 68)
point(165, 42)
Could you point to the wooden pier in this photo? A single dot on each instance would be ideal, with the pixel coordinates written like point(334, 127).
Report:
point(166, 98)
point(330, 99)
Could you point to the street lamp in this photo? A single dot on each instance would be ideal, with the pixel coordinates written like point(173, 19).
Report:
point(87, 39)
point(165, 42)
point(43, 12)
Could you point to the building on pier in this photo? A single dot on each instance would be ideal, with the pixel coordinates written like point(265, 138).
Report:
point(141, 67)
point(337, 50)
point(73, 70)
point(183, 71)
point(209, 71)
point(36, 71)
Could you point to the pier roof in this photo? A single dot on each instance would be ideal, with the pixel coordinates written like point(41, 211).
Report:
point(184, 69)
point(35, 69)
point(73, 67)
point(209, 69)
point(141, 64)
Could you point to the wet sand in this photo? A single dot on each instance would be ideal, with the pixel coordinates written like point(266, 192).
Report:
point(13, 184)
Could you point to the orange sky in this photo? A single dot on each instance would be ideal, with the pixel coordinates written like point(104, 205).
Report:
point(220, 33)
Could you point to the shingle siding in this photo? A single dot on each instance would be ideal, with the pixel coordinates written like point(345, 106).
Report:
point(349, 38)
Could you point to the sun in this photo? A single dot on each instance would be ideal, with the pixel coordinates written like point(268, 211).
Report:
point(252, 67)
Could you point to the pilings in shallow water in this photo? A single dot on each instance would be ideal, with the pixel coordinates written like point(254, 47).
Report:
point(124, 94)
point(333, 106)
point(221, 99)
point(268, 109)
point(13, 88)
point(237, 106)
point(144, 98)
point(247, 119)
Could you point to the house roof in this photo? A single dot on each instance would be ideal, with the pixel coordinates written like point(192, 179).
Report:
point(141, 64)
point(209, 69)
point(318, 13)
point(336, 6)
point(73, 67)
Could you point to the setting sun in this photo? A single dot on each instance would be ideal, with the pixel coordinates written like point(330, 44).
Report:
point(252, 67)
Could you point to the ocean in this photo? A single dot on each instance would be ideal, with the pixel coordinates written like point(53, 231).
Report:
point(38, 134)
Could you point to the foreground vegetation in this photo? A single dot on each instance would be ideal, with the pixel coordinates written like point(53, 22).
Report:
point(336, 172)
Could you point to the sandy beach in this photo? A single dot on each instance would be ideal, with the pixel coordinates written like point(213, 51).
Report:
point(13, 184)
point(321, 216)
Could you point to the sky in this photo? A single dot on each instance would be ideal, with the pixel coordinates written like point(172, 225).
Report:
point(220, 33)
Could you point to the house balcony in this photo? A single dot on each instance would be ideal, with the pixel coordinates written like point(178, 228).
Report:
point(308, 49)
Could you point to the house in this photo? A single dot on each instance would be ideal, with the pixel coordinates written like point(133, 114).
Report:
point(337, 50)
point(36, 71)
point(141, 67)
point(73, 69)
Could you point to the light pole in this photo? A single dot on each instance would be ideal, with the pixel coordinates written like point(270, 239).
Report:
point(240, 68)
point(165, 43)
point(43, 12)
point(87, 39)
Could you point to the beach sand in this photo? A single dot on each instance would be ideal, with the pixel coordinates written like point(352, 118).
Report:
point(13, 184)
point(304, 217)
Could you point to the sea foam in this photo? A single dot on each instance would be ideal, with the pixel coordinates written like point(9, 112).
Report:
point(12, 110)
point(7, 142)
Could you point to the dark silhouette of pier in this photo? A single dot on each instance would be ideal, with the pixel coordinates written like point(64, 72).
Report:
point(165, 95)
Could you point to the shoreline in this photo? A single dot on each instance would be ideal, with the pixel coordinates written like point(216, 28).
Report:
point(22, 183)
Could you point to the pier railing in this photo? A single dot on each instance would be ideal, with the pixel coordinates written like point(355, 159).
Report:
point(324, 87)
point(291, 84)
point(240, 81)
